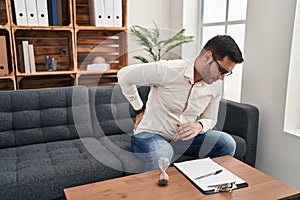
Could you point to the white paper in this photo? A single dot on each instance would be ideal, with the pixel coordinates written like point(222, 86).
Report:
point(195, 168)
point(98, 67)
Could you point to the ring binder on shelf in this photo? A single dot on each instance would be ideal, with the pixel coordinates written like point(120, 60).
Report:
point(97, 15)
point(117, 13)
point(42, 11)
point(21, 14)
point(109, 12)
point(31, 10)
point(3, 57)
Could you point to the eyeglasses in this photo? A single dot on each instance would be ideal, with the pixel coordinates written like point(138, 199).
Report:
point(221, 69)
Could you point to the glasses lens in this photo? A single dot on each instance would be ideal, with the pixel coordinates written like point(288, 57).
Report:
point(221, 69)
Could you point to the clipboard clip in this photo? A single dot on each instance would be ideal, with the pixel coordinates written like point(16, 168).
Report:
point(224, 187)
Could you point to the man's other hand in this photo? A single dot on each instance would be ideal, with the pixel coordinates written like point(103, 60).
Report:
point(138, 119)
point(189, 130)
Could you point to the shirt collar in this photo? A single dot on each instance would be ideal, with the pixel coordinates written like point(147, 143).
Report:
point(189, 74)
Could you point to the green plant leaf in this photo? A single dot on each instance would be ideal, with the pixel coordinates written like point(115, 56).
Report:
point(169, 48)
point(141, 58)
point(156, 48)
point(178, 37)
point(144, 38)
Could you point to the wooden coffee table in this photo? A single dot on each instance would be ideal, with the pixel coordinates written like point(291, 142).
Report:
point(144, 186)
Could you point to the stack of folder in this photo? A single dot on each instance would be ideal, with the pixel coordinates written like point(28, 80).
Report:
point(38, 12)
point(106, 13)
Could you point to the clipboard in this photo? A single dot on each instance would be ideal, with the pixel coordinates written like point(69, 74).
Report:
point(201, 172)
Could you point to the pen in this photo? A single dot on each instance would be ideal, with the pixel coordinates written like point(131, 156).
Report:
point(209, 174)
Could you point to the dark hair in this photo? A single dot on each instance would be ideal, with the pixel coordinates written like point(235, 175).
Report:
point(224, 45)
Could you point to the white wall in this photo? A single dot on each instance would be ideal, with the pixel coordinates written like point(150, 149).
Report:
point(267, 53)
point(167, 14)
point(292, 107)
point(143, 12)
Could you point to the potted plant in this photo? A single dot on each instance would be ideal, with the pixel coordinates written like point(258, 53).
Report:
point(156, 47)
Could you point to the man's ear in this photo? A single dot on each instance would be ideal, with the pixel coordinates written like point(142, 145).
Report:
point(208, 55)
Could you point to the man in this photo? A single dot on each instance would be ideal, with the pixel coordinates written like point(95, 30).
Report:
point(182, 105)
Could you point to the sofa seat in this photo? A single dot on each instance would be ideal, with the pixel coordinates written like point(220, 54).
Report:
point(121, 148)
point(49, 167)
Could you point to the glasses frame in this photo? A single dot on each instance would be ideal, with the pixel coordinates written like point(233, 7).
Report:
point(222, 71)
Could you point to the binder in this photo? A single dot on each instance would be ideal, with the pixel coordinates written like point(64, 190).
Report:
point(3, 57)
point(210, 177)
point(31, 58)
point(20, 58)
point(109, 12)
point(31, 11)
point(49, 4)
point(42, 12)
point(59, 12)
point(117, 13)
point(21, 14)
point(54, 14)
point(97, 15)
point(26, 56)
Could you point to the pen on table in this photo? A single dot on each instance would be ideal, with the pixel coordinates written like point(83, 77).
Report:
point(209, 174)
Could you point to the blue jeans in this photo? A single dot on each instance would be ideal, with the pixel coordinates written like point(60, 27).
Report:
point(150, 147)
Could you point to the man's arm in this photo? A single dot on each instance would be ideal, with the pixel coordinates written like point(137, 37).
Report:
point(141, 74)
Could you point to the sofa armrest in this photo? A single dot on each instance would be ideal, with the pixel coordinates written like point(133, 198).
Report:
point(242, 120)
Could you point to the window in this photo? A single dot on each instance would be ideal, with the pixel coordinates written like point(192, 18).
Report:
point(220, 17)
point(292, 107)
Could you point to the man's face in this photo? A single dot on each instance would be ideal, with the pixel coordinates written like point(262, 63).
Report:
point(211, 69)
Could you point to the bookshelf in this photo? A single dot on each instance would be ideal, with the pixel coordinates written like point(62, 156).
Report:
point(108, 42)
point(7, 80)
point(75, 43)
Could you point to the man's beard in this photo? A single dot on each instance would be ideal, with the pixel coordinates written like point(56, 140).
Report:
point(206, 75)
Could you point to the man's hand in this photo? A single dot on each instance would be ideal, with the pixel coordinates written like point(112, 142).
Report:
point(138, 119)
point(188, 130)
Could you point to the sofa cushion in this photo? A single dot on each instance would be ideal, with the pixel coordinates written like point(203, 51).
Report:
point(41, 171)
point(44, 115)
point(241, 147)
point(120, 146)
point(111, 112)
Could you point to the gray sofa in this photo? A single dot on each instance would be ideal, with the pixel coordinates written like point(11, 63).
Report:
point(57, 138)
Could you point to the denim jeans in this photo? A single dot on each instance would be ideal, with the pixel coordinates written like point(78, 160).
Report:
point(150, 147)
